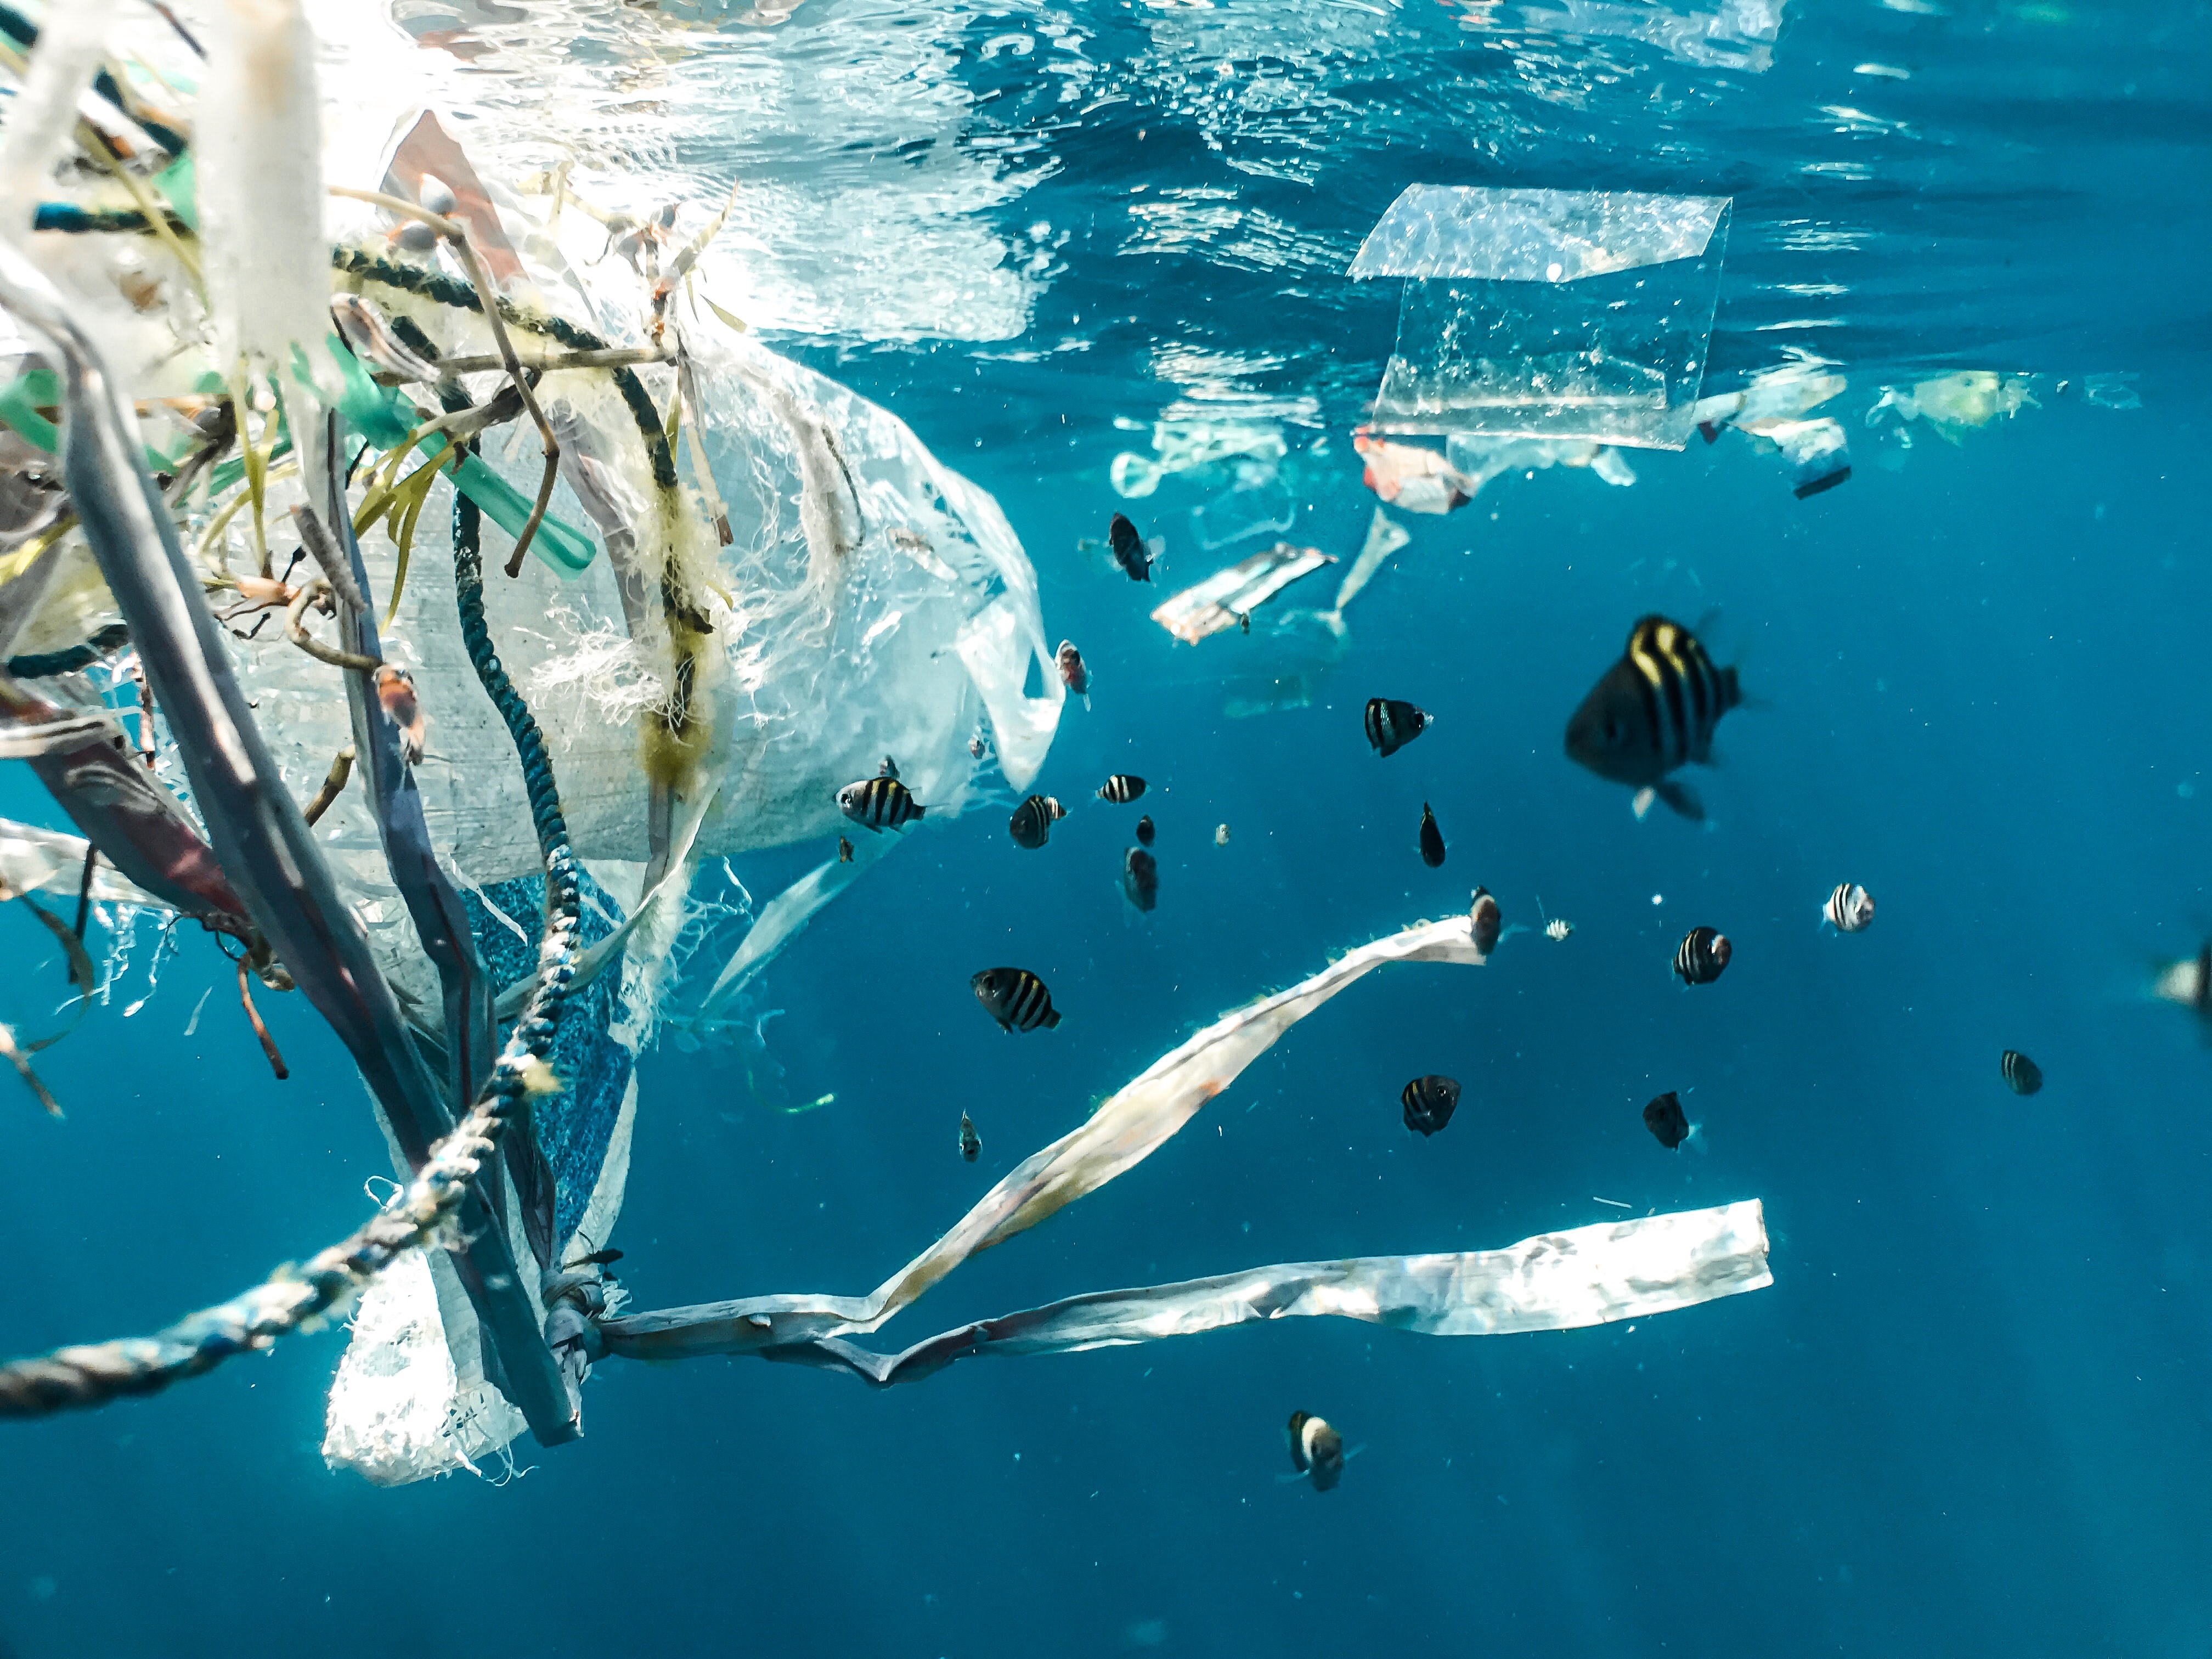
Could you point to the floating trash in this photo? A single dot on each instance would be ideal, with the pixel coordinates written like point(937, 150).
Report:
point(1229, 596)
point(1547, 314)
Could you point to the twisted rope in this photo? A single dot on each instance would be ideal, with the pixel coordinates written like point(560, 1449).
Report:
point(302, 1299)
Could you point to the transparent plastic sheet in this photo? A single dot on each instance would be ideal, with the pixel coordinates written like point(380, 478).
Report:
point(37, 860)
point(1250, 509)
point(1609, 1271)
point(1185, 446)
point(1538, 313)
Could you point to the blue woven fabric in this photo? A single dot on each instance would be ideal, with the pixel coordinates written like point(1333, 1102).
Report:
point(576, 1126)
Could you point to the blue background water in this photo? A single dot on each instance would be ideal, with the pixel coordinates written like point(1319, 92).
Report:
point(1971, 1415)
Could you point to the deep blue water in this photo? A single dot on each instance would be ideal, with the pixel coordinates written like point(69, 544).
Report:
point(1972, 1413)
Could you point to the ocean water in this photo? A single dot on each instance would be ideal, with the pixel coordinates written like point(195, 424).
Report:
point(1970, 1415)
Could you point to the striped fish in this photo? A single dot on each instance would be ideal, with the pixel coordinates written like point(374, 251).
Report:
point(1121, 788)
point(1391, 725)
point(878, 804)
point(2021, 1075)
point(1432, 839)
point(1430, 1103)
point(1032, 824)
point(972, 1144)
point(1704, 954)
point(1849, 908)
point(1654, 710)
point(1016, 998)
point(1145, 829)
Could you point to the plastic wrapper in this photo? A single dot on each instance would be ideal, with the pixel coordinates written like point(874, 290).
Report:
point(1547, 314)
point(1228, 597)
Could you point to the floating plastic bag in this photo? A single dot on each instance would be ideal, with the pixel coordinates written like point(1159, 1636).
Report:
point(1547, 314)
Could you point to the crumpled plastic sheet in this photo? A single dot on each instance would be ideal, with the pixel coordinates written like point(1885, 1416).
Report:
point(1534, 236)
point(399, 1410)
point(1415, 478)
point(1592, 1275)
point(1227, 598)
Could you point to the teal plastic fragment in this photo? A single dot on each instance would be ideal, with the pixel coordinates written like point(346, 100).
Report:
point(178, 183)
point(22, 398)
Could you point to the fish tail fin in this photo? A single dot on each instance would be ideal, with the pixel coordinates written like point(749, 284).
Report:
point(1051, 1018)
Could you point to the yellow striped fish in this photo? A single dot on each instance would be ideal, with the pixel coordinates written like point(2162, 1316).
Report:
point(1654, 711)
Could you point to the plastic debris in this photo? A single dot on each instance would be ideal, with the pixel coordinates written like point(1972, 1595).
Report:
point(1411, 479)
point(1186, 446)
point(1771, 410)
point(1384, 537)
point(1547, 314)
point(1228, 597)
point(1251, 509)
point(1951, 404)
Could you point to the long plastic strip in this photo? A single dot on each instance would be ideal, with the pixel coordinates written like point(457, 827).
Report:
point(1553, 1282)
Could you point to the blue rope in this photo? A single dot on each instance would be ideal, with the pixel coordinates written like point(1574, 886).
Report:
point(534, 1029)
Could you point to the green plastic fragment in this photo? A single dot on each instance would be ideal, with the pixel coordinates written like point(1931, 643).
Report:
point(21, 400)
point(178, 183)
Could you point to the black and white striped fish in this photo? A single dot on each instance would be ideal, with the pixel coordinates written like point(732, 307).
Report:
point(1430, 1103)
point(878, 804)
point(1704, 955)
point(1016, 998)
point(1432, 839)
point(1653, 710)
point(1145, 829)
point(1121, 788)
point(1849, 908)
point(1391, 725)
point(1032, 824)
point(2021, 1075)
point(972, 1144)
